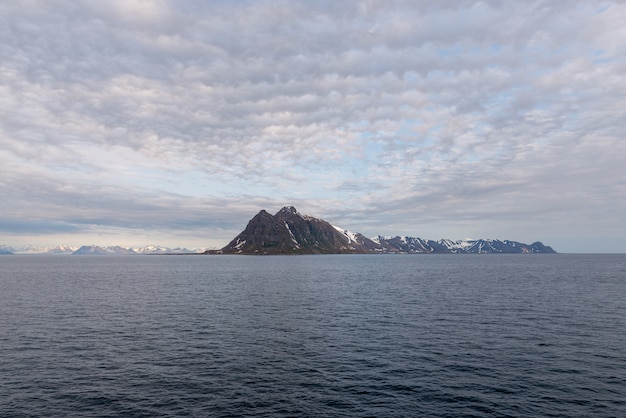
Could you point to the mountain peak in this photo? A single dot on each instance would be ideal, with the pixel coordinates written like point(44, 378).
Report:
point(288, 210)
point(288, 232)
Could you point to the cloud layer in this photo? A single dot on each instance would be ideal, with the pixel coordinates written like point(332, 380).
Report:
point(180, 120)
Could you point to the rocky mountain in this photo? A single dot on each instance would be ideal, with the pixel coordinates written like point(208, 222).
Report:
point(412, 245)
point(289, 232)
point(490, 246)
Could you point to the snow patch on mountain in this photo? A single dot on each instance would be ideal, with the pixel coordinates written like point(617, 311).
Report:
point(351, 236)
point(5, 249)
point(56, 250)
point(293, 238)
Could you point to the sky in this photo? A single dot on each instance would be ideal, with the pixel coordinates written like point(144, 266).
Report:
point(136, 122)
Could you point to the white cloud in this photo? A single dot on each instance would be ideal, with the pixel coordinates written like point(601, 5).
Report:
point(467, 115)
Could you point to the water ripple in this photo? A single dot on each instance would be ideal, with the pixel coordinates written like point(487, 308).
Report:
point(313, 336)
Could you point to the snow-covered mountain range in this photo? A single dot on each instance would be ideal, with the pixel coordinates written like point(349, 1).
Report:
point(96, 250)
point(467, 246)
point(289, 232)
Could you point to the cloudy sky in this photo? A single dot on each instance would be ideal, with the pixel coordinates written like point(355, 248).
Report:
point(140, 122)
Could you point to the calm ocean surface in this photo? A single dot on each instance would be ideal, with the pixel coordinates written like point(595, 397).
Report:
point(371, 335)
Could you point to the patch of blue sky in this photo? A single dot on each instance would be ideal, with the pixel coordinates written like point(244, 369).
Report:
point(541, 105)
point(481, 128)
point(602, 8)
point(443, 75)
point(408, 125)
point(494, 66)
point(603, 60)
point(598, 52)
point(600, 56)
point(358, 125)
point(457, 51)
point(498, 103)
point(453, 51)
point(373, 150)
point(430, 137)
point(410, 77)
point(572, 122)
point(412, 152)
point(367, 135)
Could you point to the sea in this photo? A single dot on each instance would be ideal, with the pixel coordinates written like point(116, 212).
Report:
point(313, 336)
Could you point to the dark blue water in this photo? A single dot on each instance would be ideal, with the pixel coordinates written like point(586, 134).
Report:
point(449, 335)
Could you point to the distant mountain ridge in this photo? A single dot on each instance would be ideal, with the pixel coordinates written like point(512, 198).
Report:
point(5, 249)
point(411, 245)
point(117, 250)
point(289, 232)
point(95, 250)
